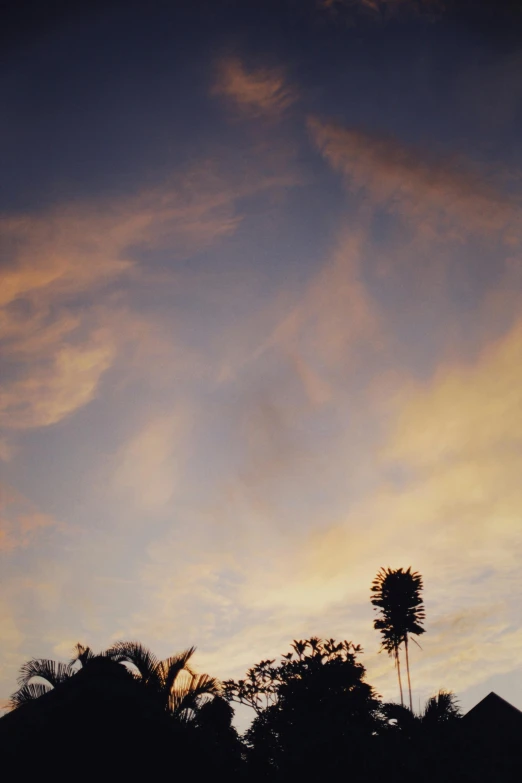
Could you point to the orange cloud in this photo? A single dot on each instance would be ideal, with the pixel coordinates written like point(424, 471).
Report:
point(256, 92)
point(61, 323)
point(59, 387)
point(77, 249)
point(444, 198)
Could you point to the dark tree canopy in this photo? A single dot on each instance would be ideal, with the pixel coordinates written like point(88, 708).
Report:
point(313, 700)
point(126, 714)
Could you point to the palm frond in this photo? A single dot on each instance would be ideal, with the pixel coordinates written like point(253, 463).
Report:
point(134, 653)
point(185, 700)
point(402, 719)
point(54, 672)
point(441, 708)
point(398, 712)
point(170, 669)
point(28, 692)
point(83, 653)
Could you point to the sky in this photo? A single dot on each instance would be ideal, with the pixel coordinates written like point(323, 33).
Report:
point(261, 330)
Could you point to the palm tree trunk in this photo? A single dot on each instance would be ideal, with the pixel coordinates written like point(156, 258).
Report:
point(398, 662)
point(408, 669)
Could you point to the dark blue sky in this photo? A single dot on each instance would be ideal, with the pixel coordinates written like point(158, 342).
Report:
point(99, 97)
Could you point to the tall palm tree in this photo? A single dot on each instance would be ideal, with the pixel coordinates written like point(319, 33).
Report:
point(391, 642)
point(398, 598)
point(173, 683)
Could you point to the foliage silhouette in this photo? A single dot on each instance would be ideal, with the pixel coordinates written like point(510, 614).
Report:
point(176, 687)
point(131, 711)
point(53, 673)
point(439, 710)
point(82, 654)
point(125, 713)
point(172, 683)
point(315, 699)
point(397, 595)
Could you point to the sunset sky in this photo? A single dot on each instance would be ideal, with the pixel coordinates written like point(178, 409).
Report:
point(261, 320)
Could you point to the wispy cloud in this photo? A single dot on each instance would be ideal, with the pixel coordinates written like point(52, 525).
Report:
point(337, 313)
point(441, 197)
point(58, 317)
point(255, 92)
point(58, 387)
point(148, 468)
point(21, 522)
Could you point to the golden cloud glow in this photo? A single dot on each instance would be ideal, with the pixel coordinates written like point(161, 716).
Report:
point(470, 410)
point(446, 497)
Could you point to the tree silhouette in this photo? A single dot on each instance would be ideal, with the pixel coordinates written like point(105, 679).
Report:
point(398, 598)
point(173, 683)
point(83, 654)
point(130, 714)
point(427, 741)
point(315, 712)
point(219, 739)
point(439, 710)
point(53, 673)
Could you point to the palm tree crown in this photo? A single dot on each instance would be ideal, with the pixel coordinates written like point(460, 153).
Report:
point(48, 675)
point(179, 690)
point(441, 709)
point(172, 683)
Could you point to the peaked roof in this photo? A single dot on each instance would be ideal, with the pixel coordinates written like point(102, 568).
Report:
point(494, 721)
point(493, 703)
